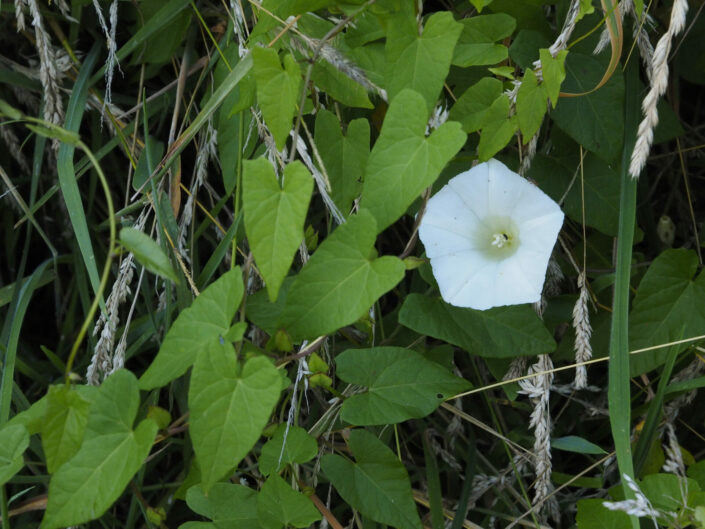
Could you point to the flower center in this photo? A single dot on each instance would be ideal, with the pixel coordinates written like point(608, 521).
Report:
point(498, 237)
point(500, 240)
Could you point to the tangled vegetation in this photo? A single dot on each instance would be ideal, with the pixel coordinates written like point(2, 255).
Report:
point(216, 309)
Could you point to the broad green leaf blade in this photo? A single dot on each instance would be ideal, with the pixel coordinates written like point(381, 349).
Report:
point(665, 491)
point(573, 443)
point(228, 505)
point(472, 107)
point(148, 253)
point(208, 318)
point(229, 407)
point(340, 282)
point(402, 385)
point(275, 216)
point(377, 484)
point(531, 105)
point(553, 72)
point(299, 447)
point(277, 90)
point(339, 86)
point(497, 130)
point(79, 491)
point(66, 172)
point(556, 175)
point(668, 302)
point(420, 62)
point(279, 505)
point(502, 332)
point(265, 314)
point(596, 120)
point(65, 421)
point(33, 417)
point(344, 157)
point(593, 515)
point(404, 162)
point(476, 45)
point(14, 440)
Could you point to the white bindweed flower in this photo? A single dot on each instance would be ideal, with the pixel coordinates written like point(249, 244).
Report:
point(489, 234)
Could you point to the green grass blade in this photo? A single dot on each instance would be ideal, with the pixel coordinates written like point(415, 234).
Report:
point(433, 479)
point(66, 172)
point(241, 70)
point(17, 317)
point(217, 256)
point(648, 432)
point(619, 382)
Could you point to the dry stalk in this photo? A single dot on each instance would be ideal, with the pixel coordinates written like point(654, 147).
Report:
point(659, 83)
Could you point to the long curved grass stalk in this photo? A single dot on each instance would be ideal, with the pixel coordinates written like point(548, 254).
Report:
point(619, 381)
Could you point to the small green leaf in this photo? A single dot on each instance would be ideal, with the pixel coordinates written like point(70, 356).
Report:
point(480, 4)
point(160, 416)
point(275, 216)
point(207, 319)
point(340, 282)
point(236, 332)
point(420, 62)
point(344, 157)
point(79, 491)
point(229, 407)
point(668, 306)
point(14, 440)
point(472, 106)
point(403, 161)
point(377, 484)
point(586, 8)
point(277, 90)
point(553, 72)
point(498, 129)
point(300, 447)
point(573, 443)
point(279, 505)
point(64, 425)
point(502, 332)
point(476, 45)
point(402, 385)
point(227, 505)
point(148, 253)
point(531, 105)
point(503, 71)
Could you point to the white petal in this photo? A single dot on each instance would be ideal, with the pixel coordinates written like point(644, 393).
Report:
point(507, 189)
point(462, 277)
point(473, 188)
point(517, 283)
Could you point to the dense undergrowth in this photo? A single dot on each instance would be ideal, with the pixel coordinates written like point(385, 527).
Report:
point(215, 308)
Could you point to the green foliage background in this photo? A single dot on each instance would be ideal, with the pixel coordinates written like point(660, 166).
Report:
point(240, 220)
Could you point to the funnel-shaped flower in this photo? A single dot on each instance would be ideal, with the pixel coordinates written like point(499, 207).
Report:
point(489, 234)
